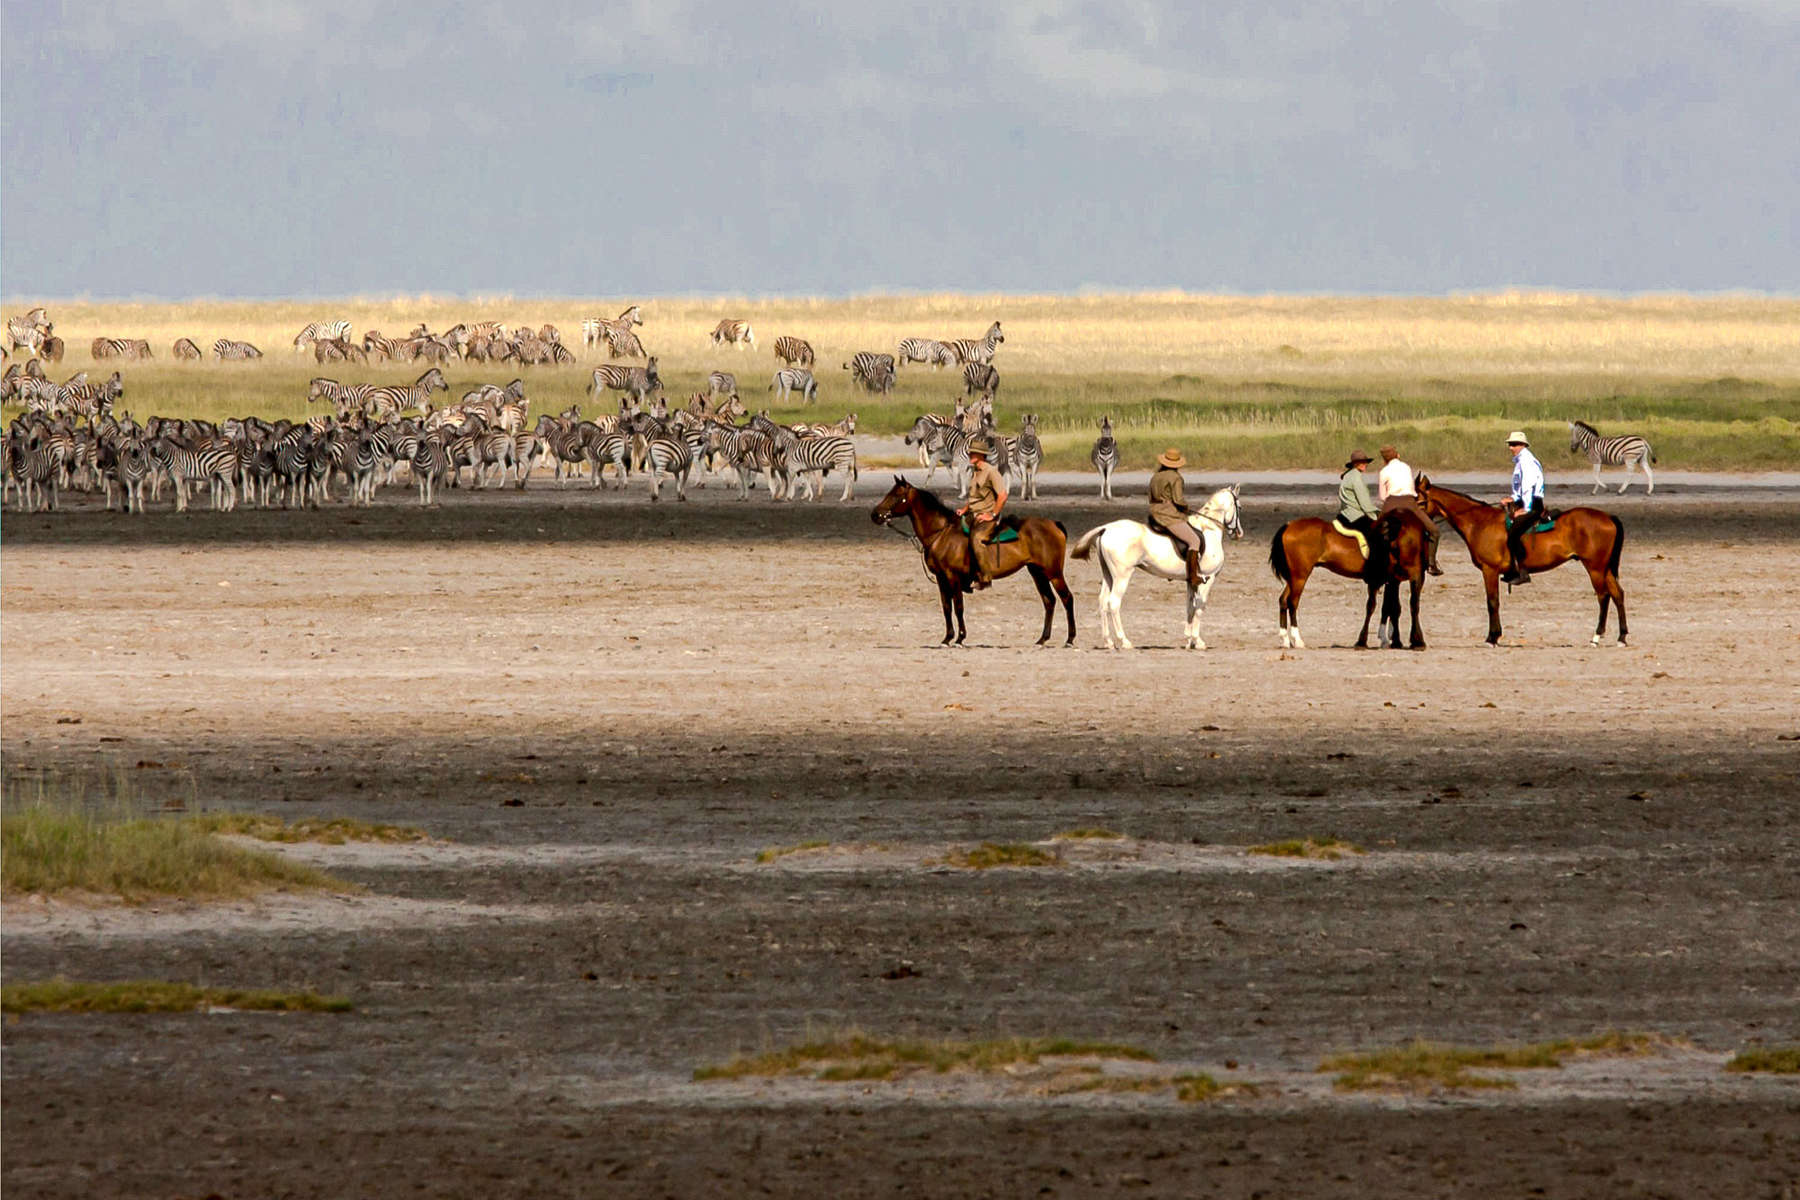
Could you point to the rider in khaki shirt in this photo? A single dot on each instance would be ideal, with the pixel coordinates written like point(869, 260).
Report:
point(1169, 510)
point(987, 496)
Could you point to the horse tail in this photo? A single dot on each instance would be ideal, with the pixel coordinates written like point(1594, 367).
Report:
point(1618, 547)
point(1278, 556)
point(1085, 543)
point(1061, 526)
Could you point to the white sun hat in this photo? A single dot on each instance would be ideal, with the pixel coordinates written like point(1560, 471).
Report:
point(1518, 436)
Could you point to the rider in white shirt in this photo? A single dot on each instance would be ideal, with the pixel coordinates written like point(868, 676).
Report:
point(1394, 487)
point(1527, 505)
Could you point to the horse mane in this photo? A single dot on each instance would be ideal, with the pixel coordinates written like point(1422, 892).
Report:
point(1586, 426)
point(930, 501)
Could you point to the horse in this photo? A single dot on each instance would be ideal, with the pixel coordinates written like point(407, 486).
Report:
point(1595, 537)
point(1126, 546)
point(1311, 542)
point(1039, 550)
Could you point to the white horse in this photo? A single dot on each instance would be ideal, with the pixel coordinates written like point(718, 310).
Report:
point(1126, 546)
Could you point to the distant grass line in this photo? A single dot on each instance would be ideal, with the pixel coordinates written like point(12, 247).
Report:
point(1329, 849)
point(157, 996)
point(1773, 1060)
point(857, 1056)
point(1247, 383)
point(989, 855)
point(330, 831)
point(1422, 1065)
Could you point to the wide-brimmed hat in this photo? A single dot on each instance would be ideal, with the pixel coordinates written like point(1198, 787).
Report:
point(1172, 458)
point(1517, 438)
point(1357, 456)
point(1388, 453)
point(980, 445)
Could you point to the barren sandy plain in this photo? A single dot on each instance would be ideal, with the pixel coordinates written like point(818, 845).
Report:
point(603, 710)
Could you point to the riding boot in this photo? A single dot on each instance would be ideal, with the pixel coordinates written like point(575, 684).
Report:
point(978, 560)
point(1431, 547)
point(1193, 568)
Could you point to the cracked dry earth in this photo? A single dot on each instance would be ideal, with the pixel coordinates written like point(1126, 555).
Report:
point(603, 711)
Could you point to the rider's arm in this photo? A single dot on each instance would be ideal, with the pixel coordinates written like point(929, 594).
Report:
point(999, 500)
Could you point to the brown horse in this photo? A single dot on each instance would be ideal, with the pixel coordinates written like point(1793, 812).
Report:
point(1039, 549)
point(1596, 538)
point(1301, 546)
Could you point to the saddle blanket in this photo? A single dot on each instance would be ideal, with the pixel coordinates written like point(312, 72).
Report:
point(1543, 526)
point(1007, 532)
point(1362, 543)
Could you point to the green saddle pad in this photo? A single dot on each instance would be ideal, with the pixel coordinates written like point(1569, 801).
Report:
point(1006, 533)
point(1543, 526)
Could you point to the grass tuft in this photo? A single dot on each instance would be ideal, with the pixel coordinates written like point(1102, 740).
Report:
point(1080, 835)
point(1329, 849)
point(1773, 1060)
point(1003, 854)
point(155, 996)
point(50, 847)
point(1426, 1066)
point(333, 831)
point(856, 1056)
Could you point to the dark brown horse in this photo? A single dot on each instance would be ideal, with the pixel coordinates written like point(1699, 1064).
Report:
point(1039, 549)
point(1596, 538)
point(1301, 546)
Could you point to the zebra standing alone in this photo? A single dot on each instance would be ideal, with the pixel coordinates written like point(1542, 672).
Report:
point(1105, 457)
point(1627, 450)
point(226, 350)
point(738, 333)
point(978, 350)
point(792, 379)
point(1028, 456)
point(795, 352)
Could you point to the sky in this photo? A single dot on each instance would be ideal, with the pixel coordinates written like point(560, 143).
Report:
point(188, 148)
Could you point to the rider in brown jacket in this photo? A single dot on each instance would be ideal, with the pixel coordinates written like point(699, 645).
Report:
point(1168, 509)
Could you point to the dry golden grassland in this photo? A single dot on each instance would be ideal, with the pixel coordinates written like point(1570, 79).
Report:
point(1244, 382)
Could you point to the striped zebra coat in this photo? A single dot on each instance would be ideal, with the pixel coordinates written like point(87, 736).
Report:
point(982, 378)
point(130, 349)
point(978, 350)
point(1628, 450)
point(792, 379)
point(795, 352)
point(929, 351)
point(396, 398)
point(812, 458)
point(320, 331)
point(1028, 457)
point(29, 331)
point(736, 333)
point(1105, 457)
point(226, 350)
point(636, 382)
point(186, 351)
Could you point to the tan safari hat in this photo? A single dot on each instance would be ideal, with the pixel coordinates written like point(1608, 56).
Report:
point(1517, 438)
point(980, 445)
point(1357, 457)
point(1172, 458)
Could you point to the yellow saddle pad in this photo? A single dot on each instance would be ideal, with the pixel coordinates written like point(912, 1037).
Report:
point(1362, 543)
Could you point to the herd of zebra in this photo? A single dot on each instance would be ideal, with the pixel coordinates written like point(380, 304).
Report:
point(377, 429)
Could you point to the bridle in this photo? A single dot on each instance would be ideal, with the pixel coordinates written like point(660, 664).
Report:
point(1233, 528)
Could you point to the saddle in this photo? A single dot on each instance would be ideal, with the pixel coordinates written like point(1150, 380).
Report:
point(1544, 525)
point(1362, 542)
point(1006, 529)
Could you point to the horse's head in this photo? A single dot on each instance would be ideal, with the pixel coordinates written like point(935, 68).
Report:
point(897, 502)
point(1223, 508)
point(1433, 506)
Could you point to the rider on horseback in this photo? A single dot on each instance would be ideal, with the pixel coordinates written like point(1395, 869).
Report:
point(1395, 489)
point(1526, 508)
point(1355, 509)
point(987, 496)
point(1168, 510)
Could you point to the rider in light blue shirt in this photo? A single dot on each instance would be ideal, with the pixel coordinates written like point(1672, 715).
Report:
point(1527, 507)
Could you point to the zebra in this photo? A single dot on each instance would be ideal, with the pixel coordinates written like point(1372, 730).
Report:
point(738, 333)
point(875, 372)
point(29, 330)
point(186, 351)
point(1028, 456)
point(52, 348)
point(978, 350)
point(1105, 457)
point(1628, 450)
point(34, 466)
point(430, 464)
point(795, 352)
point(321, 331)
point(347, 397)
point(91, 399)
point(623, 343)
point(132, 466)
point(722, 383)
point(590, 332)
point(667, 453)
point(127, 348)
point(338, 350)
point(390, 349)
point(929, 351)
point(226, 350)
point(635, 382)
point(814, 456)
point(212, 463)
point(981, 377)
point(790, 379)
point(395, 398)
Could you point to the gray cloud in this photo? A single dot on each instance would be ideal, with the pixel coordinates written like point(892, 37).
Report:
point(318, 148)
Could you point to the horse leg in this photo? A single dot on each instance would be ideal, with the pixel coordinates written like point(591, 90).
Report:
point(1113, 608)
point(1490, 579)
point(1047, 596)
point(1067, 597)
point(1418, 635)
point(962, 629)
point(1362, 639)
point(1296, 585)
point(944, 592)
point(1617, 591)
point(1387, 634)
point(1196, 604)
